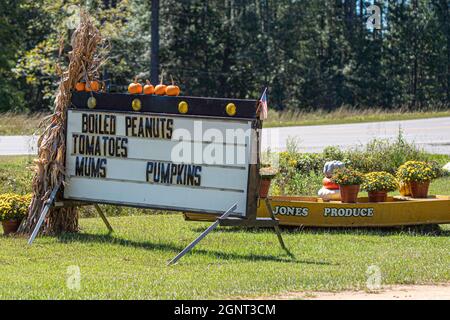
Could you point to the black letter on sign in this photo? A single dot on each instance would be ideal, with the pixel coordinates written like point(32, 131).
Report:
point(84, 122)
point(127, 125)
point(169, 128)
point(79, 166)
point(149, 171)
point(103, 163)
point(198, 177)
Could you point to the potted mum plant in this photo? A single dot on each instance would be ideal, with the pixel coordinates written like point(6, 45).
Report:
point(13, 208)
point(378, 184)
point(349, 182)
point(266, 174)
point(418, 175)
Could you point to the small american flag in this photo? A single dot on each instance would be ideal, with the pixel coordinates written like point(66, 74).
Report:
point(263, 107)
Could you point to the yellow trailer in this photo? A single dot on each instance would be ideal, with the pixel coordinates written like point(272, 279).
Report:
point(314, 212)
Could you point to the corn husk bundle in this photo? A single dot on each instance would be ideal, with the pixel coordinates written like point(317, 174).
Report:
point(49, 168)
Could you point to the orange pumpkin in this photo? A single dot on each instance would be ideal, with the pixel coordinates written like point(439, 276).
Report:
point(80, 86)
point(92, 86)
point(172, 90)
point(148, 88)
point(160, 89)
point(328, 184)
point(135, 87)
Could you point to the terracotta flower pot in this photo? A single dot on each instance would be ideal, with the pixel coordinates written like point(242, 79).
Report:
point(10, 226)
point(419, 189)
point(349, 194)
point(405, 189)
point(377, 196)
point(264, 187)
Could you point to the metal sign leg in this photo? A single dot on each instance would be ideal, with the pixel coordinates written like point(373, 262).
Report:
point(204, 234)
point(277, 228)
point(43, 214)
point(102, 215)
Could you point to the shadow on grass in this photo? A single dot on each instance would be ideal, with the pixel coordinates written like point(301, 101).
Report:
point(420, 230)
point(147, 245)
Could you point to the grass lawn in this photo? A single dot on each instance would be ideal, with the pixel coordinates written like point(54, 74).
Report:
point(131, 263)
point(14, 124)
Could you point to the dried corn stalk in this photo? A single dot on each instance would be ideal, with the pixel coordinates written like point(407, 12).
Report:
point(84, 62)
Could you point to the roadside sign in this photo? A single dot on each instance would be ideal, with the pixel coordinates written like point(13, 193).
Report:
point(202, 160)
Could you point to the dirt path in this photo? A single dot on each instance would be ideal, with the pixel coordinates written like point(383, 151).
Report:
point(398, 292)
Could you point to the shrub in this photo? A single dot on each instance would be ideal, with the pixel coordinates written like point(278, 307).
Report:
point(417, 171)
point(346, 177)
point(378, 155)
point(13, 206)
point(384, 155)
point(297, 184)
point(308, 162)
point(379, 181)
point(331, 153)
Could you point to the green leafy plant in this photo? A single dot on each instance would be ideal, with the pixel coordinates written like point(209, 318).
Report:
point(347, 177)
point(417, 171)
point(14, 206)
point(379, 181)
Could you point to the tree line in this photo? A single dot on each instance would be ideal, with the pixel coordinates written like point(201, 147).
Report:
point(310, 54)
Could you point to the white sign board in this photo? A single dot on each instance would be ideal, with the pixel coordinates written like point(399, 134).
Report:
point(159, 161)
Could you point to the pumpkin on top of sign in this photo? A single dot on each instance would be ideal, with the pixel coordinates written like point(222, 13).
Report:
point(149, 88)
point(172, 90)
point(160, 89)
point(80, 86)
point(135, 87)
point(92, 86)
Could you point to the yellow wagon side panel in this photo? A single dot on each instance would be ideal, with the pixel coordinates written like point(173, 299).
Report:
point(392, 213)
point(307, 211)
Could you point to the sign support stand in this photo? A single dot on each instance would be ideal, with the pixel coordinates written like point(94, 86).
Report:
point(204, 234)
point(276, 226)
point(43, 214)
point(59, 204)
point(102, 215)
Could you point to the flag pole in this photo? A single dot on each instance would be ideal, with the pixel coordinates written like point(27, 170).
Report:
point(259, 101)
point(265, 89)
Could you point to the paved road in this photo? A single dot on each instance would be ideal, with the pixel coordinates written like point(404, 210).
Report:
point(18, 145)
point(431, 134)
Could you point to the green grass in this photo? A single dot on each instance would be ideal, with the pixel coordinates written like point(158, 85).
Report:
point(16, 174)
point(229, 263)
point(345, 115)
point(131, 263)
point(440, 186)
point(12, 124)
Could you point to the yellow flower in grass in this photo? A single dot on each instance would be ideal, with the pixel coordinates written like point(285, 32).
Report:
point(293, 163)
